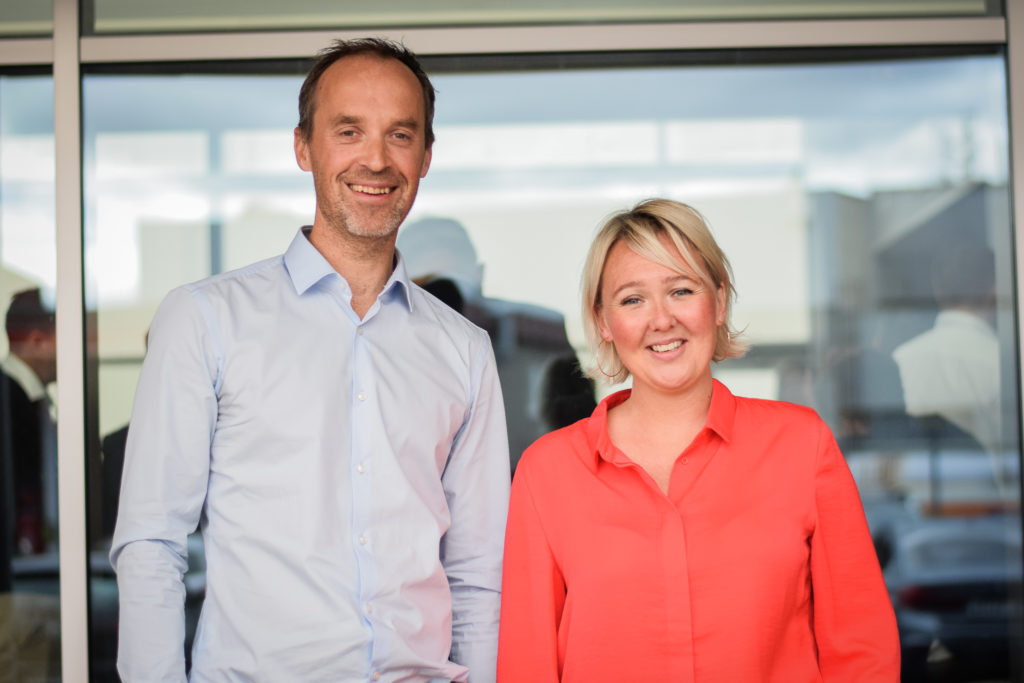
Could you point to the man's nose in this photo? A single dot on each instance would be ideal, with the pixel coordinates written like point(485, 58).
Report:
point(375, 154)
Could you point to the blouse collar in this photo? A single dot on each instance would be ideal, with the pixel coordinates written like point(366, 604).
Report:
point(720, 420)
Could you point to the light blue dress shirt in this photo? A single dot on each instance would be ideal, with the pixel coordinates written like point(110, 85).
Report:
point(350, 478)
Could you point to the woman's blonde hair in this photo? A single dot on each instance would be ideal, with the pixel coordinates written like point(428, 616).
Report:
point(640, 229)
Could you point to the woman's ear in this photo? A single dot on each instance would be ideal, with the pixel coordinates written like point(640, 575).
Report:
point(602, 326)
point(720, 301)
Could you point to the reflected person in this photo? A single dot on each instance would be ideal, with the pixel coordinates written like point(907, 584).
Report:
point(337, 433)
point(952, 369)
point(441, 256)
point(568, 393)
point(29, 602)
point(28, 426)
point(681, 532)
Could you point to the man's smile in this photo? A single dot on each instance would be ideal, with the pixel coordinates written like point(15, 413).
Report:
point(370, 189)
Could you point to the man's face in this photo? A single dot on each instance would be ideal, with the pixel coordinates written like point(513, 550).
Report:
point(367, 150)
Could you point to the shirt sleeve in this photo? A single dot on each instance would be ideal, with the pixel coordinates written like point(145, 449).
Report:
point(476, 484)
point(533, 593)
point(854, 623)
point(167, 460)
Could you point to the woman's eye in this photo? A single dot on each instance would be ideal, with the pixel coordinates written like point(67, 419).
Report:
point(630, 300)
point(682, 292)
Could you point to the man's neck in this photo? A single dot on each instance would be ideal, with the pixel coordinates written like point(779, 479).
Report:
point(366, 263)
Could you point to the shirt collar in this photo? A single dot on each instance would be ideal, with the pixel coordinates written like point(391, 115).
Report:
point(722, 413)
point(306, 267)
point(720, 420)
point(961, 319)
point(25, 376)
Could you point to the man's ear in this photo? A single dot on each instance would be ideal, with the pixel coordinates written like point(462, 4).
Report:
point(426, 163)
point(301, 151)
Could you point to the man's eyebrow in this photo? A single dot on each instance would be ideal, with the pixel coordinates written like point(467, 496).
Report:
point(344, 120)
point(412, 124)
point(349, 119)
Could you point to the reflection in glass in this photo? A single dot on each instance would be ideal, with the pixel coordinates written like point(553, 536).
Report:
point(29, 568)
point(839, 191)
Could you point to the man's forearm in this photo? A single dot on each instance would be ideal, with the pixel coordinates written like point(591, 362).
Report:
point(151, 632)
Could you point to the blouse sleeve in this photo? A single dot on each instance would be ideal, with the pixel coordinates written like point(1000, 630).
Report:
point(854, 623)
point(533, 593)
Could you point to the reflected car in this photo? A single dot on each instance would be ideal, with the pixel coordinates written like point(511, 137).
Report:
point(953, 583)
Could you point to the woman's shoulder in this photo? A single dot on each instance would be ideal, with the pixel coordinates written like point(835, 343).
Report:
point(783, 413)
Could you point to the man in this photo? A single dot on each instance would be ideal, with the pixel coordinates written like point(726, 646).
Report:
point(337, 433)
point(27, 429)
point(29, 617)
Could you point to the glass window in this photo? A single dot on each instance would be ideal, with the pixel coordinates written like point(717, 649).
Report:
point(29, 567)
point(127, 16)
point(842, 190)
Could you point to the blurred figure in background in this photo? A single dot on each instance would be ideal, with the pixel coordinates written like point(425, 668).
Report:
point(568, 393)
point(952, 369)
point(528, 339)
point(29, 599)
point(29, 426)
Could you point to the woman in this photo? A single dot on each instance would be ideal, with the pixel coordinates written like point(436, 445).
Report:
point(681, 533)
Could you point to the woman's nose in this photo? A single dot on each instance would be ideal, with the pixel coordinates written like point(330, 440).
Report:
point(661, 316)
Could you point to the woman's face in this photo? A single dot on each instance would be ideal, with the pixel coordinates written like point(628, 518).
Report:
point(663, 323)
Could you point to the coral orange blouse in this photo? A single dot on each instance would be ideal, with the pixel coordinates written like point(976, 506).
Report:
point(757, 565)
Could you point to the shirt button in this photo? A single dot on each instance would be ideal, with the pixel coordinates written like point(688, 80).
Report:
point(360, 469)
point(369, 608)
point(359, 331)
point(376, 675)
point(686, 460)
point(362, 540)
point(361, 396)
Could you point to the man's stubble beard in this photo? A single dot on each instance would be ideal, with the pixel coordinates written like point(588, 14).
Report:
point(378, 224)
point(346, 223)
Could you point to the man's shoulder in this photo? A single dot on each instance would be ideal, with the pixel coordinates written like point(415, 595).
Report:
point(266, 273)
point(231, 291)
point(428, 309)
